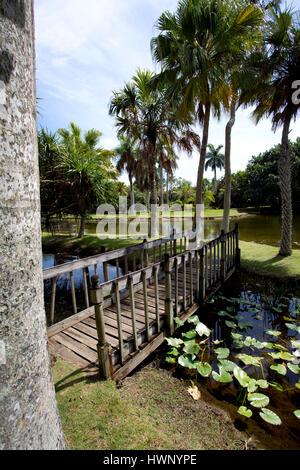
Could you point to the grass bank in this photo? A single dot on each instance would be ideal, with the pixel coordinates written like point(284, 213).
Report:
point(150, 410)
point(264, 260)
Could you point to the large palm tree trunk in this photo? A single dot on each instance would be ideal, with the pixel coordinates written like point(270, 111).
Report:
point(199, 192)
point(132, 201)
point(285, 182)
point(227, 192)
point(28, 410)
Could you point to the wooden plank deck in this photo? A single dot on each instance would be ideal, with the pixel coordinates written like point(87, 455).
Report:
point(134, 313)
point(81, 338)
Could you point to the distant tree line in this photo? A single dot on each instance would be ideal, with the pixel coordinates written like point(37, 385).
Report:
point(259, 185)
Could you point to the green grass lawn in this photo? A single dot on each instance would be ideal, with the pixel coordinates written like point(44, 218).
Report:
point(151, 410)
point(264, 260)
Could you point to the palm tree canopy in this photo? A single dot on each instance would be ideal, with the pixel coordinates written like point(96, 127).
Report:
point(273, 71)
point(214, 159)
point(194, 47)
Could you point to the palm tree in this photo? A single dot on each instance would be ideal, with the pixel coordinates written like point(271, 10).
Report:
point(145, 113)
point(214, 160)
point(127, 155)
point(28, 408)
point(270, 89)
point(193, 48)
point(86, 167)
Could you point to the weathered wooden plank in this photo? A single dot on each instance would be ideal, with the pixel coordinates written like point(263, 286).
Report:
point(80, 349)
point(139, 357)
point(66, 353)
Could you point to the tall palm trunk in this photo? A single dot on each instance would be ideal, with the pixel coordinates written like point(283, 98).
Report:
point(28, 410)
point(131, 190)
point(167, 190)
point(199, 192)
point(227, 192)
point(161, 184)
point(284, 169)
point(215, 180)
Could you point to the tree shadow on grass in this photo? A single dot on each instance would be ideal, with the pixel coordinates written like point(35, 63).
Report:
point(87, 374)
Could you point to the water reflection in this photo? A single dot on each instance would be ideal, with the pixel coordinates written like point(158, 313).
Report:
point(63, 302)
point(259, 228)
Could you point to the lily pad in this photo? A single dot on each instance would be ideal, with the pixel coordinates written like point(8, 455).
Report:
point(236, 336)
point(273, 332)
point(194, 319)
point(230, 324)
point(174, 352)
point(204, 369)
point(258, 400)
point(191, 347)
point(175, 342)
point(223, 376)
point(270, 417)
point(187, 360)
point(245, 411)
point(295, 344)
point(202, 329)
point(279, 368)
point(222, 353)
point(189, 335)
point(178, 321)
point(229, 366)
point(294, 368)
point(297, 413)
point(249, 360)
point(262, 383)
point(241, 376)
point(171, 359)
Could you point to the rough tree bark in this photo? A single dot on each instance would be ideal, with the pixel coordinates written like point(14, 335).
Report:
point(28, 410)
point(227, 192)
point(285, 182)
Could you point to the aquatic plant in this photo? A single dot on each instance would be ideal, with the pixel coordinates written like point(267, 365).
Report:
point(197, 352)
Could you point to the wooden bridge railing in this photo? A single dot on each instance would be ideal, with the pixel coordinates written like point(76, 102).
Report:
point(126, 259)
point(199, 273)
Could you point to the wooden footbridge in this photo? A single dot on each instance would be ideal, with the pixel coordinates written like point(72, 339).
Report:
point(125, 319)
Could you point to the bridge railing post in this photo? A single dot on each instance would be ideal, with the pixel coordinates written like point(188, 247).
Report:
point(103, 348)
point(238, 250)
point(223, 255)
point(168, 296)
point(202, 276)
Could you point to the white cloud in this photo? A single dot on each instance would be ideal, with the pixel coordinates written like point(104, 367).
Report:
point(87, 49)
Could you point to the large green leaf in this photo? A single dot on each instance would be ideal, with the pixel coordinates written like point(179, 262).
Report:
point(204, 369)
point(241, 376)
point(293, 326)
point(294, 368)
point(187, 360)
point(258, 400)
point(262, 383)
point(227, 365)
point(202, 329)
point(223, 376)
point(249, 360)
point(273, 332)
point(297, 413)
point(295, 343)
point(222, 353)
point(245, 411)
point(191, 347)
point(270, 417)
point(279, 368)
point(175, 342)
point(230, 324)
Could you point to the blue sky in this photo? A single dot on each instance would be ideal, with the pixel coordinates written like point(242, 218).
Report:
point(86, 49)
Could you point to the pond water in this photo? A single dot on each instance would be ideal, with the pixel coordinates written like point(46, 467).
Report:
point(63, 303)
point(259, 228)
point(252, 326)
